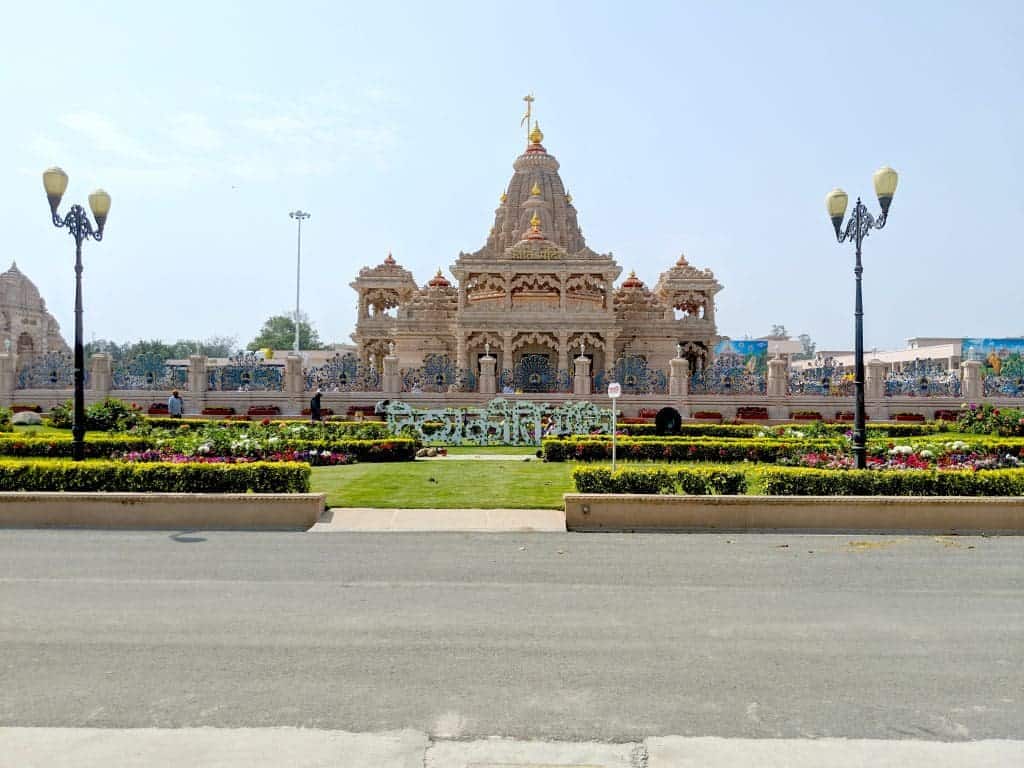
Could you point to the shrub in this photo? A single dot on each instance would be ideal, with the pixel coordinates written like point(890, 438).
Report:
point(264, 410)
point(157, 409)
point(793, 481)
point(19, 407)
point(707, 415)
point(698, 481)
point(61, 415)
point(989, 420)
point(5, 420)
point(682, 449)
point(258, 477)
point(806, 415)
point(111, 415)
point(601, 480)
point(59, 446)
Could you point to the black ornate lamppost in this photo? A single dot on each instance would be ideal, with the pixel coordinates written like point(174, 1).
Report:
point(858, 227)
point(55, 181)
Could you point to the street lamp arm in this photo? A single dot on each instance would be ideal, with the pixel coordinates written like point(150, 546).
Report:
point(78, 225)
point(860, 223)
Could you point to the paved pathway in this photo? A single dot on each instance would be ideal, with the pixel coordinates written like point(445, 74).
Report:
point(373, 519)
point(307, 748)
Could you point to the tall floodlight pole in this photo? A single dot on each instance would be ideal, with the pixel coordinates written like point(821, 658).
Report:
point(77, 223)
point(298, 216)
point(858, 227)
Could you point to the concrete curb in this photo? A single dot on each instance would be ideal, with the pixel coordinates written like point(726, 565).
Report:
point(162, 511)
point(935, 514)
point(369, 519)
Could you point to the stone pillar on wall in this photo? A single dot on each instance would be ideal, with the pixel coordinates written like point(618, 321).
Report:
point(777, 375)
point(563, 350)
point(392, 383)
point(198, 382)
point(8, 377)
point(679, 377)
point(971, 386)
point(874, 380)
point(294, 381)
point(101, 376)
point(460, 350)
point(581, 376)
point(488, 384)
point(507, 355)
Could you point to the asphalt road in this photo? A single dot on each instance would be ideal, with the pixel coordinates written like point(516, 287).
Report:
point(546, 636)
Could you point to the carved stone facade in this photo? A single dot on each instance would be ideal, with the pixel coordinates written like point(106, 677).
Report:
point(24, 319)
point(535, 296)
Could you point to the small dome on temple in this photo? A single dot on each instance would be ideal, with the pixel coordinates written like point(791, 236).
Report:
point(633, 281)
point(535, 233)
point(682, 261)
point(535, 190)
point(439, 281)
point(390, 259)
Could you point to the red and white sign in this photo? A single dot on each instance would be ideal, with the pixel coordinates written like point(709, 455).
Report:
point(614, 390)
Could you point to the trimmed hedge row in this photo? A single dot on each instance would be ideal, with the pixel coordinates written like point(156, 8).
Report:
point(104, 446)
point(681, 449)
point(878, 429)
point(258, 477)
point(696, 481)
point(364, 430)
point(799, 481)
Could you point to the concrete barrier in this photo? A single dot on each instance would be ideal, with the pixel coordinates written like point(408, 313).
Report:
point(936, 514)
point(164, 511)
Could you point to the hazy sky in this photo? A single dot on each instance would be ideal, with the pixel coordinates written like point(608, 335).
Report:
point(706, 128)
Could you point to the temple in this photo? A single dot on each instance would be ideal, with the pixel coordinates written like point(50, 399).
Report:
point(536, 298)
point(27, 327)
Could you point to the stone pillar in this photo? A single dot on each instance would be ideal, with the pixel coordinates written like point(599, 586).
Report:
point(609, 294)
point(874, 380)
point(100, 378)
point(198, 382)
point(777, 375)
point(506, 349)
point(562, 279)
point(581, 376)
point(971, 387)
point(563, 350)
point(507, 301)
point(294, 381)
point(8, 377)
point(460, 350)
point(488, 383)
point(610, 355)
point(462, 296)
point(709, 309)
point(392, 384)
point(679, 377)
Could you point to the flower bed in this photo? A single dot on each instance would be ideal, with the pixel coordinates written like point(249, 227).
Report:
point(218, 410)
point(944, 414)
point(323, 412)
point(264, 410)
point(908, 417)
point(753, 412)
point(805, 415)
point(157, 409)
point(78, 476)
point(19, 407)
point(647, 413)
point(845, 416)
point(707, 415)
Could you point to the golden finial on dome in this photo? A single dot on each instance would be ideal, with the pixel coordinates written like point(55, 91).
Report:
point(535, 190)
point(536, 137)
point(568, 197)
point(535, 222)
point(503, 197)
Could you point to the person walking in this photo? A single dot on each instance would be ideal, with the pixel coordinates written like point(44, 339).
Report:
point(175, 405)
point(314, 406)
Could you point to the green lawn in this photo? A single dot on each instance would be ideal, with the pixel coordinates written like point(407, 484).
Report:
point(452, 485)
point(504, 450)
point(40, 430)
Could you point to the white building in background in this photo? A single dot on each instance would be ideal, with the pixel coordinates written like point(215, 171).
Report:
point(938, 351)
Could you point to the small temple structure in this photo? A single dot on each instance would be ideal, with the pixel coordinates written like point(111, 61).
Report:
point(536, 296)
point(26, 326)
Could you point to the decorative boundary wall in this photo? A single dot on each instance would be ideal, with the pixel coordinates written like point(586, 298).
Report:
point(294, 395)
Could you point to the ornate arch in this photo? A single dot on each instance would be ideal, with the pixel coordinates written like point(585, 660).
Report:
point(590, 341)
point(541, 339)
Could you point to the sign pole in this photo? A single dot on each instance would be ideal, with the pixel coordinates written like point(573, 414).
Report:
point(614, 391)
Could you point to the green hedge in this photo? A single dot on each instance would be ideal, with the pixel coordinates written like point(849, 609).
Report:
point(362, 430)
point(697, 481)
point(799, 481)
point(104, 446)
point(681, 449)
point(97, 445)
point(259, 477)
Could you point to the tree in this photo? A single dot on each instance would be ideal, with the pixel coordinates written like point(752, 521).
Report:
point(808, 347)
point(278, 332)
point(778, 332)
point(215, 346)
